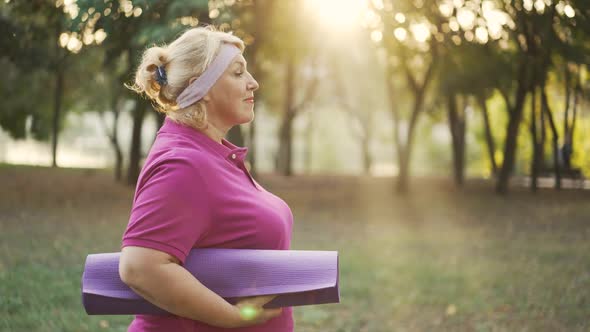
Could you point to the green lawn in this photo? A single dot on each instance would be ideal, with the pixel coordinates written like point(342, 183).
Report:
point(436, 260)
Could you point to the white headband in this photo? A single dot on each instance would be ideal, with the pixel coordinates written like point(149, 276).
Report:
point(199, 88)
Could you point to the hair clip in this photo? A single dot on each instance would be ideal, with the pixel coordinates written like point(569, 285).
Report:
point(161, 76)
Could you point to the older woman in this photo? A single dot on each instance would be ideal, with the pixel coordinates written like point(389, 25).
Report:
point(194, 190)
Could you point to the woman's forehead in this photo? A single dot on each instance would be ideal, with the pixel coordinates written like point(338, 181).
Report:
point(239, 59)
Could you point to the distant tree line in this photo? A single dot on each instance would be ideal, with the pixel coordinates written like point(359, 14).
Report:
point(441, 57)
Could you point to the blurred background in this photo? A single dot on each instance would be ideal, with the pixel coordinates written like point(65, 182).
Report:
point(442, 147)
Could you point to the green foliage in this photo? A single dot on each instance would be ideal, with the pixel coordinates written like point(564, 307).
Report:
point(277, 32)
point(30, 33)
point(32, 54)
point(29, 59)
point(25, 95)
point(136, 27)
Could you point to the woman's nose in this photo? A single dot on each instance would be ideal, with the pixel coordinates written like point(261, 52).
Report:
point(253, 85)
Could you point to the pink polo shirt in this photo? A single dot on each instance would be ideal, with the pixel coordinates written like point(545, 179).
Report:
point(196, 193)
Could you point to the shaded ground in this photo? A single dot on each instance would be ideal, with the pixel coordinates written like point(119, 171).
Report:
point(436, 260)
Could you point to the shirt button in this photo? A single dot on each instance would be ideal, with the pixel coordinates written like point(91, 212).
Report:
point(233, 156)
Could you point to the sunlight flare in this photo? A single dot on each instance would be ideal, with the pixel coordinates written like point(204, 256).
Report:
point(338, 14)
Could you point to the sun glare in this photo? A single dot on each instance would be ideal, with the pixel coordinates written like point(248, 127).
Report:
point(338, 14)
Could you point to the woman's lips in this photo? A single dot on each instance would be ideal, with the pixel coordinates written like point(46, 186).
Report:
point(249, 100)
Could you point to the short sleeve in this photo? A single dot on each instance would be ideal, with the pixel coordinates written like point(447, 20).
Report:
point(170, 211)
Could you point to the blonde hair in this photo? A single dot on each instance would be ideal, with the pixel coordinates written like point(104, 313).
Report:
point(185, 58)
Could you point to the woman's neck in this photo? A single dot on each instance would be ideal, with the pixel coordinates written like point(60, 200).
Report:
point(214, 133)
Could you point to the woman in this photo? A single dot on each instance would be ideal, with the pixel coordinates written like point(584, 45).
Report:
point(194, 190)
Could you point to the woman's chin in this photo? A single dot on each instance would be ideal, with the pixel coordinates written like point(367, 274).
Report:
point(249, 117)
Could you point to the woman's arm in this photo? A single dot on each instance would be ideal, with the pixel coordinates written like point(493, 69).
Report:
point(158, 277)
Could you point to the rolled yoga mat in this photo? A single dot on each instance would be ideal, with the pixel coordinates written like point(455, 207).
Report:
point(300, 277)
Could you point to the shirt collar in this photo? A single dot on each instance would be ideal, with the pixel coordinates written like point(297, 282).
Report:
point(227, 150)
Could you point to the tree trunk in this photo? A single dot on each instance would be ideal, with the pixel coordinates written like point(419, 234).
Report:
point(309, 143)
point(488, 133)
point(574, 117)
point(543, 137)
point(262, 10)
point(512, 130)
point(58, 96)
point(114, 135)
point(118, 162)
point(567, 79)
point(115, 142)
point(535, 142)
point(393, 107)
point(457, 128)
point(402, 184)
point(284, 158)
point(367, 160)
point(160, 118)
point(555, 137)
point(252, 146)
point(135, 151)
point(405, 150)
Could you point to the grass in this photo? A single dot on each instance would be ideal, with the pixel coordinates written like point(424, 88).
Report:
point(438, 259)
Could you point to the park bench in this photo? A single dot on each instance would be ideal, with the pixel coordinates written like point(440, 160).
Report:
point(575, 175)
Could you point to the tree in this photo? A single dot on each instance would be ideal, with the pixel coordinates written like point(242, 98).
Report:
point(36, 27)
point(461, 79)
point(130, 28)
point(252, 21)
point(360, 102)
point(416, 60)
point(540, 33)
point(291, 51)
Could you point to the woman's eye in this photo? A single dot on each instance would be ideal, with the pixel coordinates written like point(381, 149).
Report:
point(240, 74)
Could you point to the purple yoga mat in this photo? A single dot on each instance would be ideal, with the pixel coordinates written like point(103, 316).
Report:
point(299, 277)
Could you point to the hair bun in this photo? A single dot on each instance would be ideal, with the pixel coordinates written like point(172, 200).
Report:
point(147, 79)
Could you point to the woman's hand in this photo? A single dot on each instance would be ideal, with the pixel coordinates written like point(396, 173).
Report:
point(251, 310)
